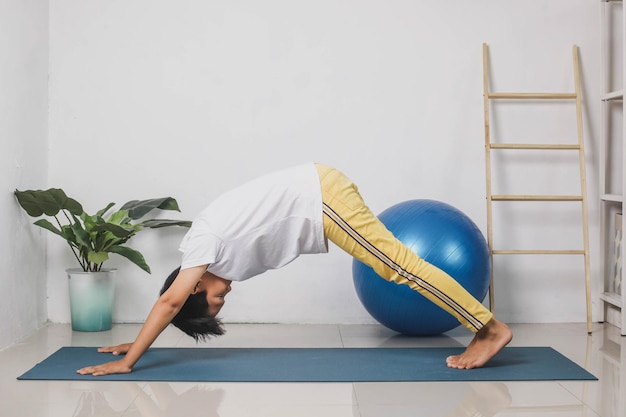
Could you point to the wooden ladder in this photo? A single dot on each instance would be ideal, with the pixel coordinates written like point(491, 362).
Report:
point(578, 147)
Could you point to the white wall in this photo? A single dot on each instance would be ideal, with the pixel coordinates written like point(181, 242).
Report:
point(23, 163)
point(190, 98)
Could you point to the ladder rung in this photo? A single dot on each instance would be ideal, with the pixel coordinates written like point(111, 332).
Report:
point(532, 96)
point(536, 198)
point(533, 146)
point(538, 252)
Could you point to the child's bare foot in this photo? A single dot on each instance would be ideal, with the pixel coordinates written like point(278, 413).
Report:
point(486, 343)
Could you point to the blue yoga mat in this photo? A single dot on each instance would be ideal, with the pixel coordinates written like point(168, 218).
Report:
point(313, 365)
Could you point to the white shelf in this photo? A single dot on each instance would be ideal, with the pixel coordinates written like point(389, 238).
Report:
point(615, 198)
point(612, 166)
point(613, 96)
point(612, 298)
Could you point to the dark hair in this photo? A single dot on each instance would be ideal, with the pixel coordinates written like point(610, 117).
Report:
point(193, 318)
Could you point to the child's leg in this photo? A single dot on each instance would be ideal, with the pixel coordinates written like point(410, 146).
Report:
point(351, 225)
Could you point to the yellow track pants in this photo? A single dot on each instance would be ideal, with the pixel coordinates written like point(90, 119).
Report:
point(352, 226)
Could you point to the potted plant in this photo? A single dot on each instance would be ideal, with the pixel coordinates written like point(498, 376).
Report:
point(91, 239)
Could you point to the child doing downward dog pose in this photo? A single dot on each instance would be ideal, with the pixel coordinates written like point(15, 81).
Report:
point(270, 221)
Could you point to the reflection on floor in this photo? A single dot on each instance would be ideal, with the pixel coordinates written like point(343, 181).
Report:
point(601, 353)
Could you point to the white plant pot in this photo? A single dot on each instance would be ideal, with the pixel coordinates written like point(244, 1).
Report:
point(91, 299)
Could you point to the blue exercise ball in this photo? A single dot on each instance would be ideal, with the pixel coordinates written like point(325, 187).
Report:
point(443, 236)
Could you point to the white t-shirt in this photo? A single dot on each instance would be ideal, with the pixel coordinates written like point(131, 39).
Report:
point(263, 224)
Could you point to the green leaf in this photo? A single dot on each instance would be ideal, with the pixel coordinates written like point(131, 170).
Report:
point(102, 240)
point(119, 217)
point(70, 236)
point(97, 257)
point(117, 230)
point(106, 240)
point(48, 202)
point(132, 255)
point(49, 226)
point(100, 213)
point(90, 221)
point(137, 209)
point(157, 223)
point(82, 237)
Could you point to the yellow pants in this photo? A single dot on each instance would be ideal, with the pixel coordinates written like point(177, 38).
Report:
point(352, 226)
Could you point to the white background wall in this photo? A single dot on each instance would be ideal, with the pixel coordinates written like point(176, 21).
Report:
point(190, 98)
point(23, 163)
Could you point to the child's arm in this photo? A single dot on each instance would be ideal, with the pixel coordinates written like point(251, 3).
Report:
point(164, 310)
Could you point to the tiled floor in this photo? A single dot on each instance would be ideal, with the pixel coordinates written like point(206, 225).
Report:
point(600, 353)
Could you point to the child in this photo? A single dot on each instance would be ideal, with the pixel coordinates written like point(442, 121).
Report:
point(269, 222)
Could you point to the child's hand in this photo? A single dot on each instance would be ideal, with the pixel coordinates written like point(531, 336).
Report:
point(116, 350)
point(115, 367)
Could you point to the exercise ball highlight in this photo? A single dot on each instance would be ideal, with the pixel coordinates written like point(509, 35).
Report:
point(441, 235)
